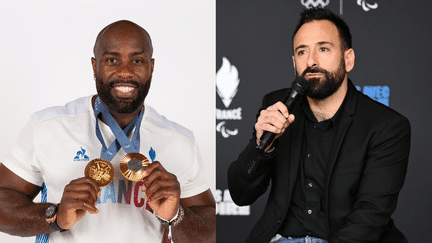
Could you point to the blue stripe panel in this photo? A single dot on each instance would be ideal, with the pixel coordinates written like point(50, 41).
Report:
point(45, 237)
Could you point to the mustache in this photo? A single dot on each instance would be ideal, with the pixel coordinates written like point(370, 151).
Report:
point(314, 70)
point(112, 82)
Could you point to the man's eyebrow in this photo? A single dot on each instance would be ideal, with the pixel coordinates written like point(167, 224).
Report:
point(299, 47)
point(113, 53)
point(325, 43)
point(137, 53)
point(319, 43)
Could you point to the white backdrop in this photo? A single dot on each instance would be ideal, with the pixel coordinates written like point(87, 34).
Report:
point(45, 51)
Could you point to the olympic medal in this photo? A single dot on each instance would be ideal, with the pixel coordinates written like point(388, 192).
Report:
point(132, 165)
point(100, 171)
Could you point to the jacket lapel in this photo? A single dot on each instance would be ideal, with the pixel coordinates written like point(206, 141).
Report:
point(348, 110)
point(290, 144)
point(344, 124)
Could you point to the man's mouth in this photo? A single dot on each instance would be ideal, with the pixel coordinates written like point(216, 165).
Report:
point(124, 89)
point(313, 74)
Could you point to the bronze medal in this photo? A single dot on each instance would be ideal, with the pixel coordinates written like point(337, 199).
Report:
point(100, 171)
point(132, 165)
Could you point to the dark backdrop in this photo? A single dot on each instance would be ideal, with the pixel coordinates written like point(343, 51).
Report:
point(392, 42)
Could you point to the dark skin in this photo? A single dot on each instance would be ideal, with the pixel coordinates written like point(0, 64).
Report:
point(123, 50)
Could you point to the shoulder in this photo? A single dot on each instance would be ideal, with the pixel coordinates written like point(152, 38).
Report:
point(370, 115)
point(167, 125)
point(70, 110)
point(376, 110)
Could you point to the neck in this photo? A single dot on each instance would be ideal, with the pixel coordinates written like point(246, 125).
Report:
point(327, 108)
point(122, 119)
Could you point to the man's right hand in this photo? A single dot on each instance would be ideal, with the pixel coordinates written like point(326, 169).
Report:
point(275, 119)
point(79, 196)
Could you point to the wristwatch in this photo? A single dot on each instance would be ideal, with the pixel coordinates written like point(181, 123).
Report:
point(51, 217)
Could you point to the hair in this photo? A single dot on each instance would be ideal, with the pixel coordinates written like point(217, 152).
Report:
point(317, 13)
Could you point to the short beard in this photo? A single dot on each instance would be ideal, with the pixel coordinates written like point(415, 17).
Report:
point(320, 90)
point(120, 105)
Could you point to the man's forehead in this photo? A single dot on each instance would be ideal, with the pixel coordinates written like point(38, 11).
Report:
point(117, 44)
point(122, 35)
point(315, 32)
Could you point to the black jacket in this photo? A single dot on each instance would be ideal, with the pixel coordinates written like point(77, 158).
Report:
point(366, 171)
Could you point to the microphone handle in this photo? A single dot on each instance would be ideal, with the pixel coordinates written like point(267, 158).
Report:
point(266, 140)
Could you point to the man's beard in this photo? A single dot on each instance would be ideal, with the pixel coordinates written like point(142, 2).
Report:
point(122, 105)
point(320, 90)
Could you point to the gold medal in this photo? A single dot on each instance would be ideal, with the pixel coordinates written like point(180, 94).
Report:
point(100, 171)
point(132, 165)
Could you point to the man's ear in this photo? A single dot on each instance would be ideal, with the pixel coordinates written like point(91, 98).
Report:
point(93, 61)
point(152, 64)
point(349, 59)
point(294, 64)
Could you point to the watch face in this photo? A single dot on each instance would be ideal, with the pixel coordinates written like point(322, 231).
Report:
point(50, 211)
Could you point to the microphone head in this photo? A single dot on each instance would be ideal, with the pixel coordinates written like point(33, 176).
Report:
point(300, 85)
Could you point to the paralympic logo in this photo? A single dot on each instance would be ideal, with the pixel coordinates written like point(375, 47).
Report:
point(227, 82)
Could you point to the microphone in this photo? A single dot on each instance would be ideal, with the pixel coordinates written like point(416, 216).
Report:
point(298, 88)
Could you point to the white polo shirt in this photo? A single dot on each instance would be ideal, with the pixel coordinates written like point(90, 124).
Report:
point(56, 144)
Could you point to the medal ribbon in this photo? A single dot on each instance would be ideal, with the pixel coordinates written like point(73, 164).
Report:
point(121, 135)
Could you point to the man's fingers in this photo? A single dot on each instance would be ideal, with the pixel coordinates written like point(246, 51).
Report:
point(281, 108)
point(79, 196)
point(163, 193)
point(81, 190)
point(152, 167)
point(290, 119)
point(83, 196)
point(153, 191)
point(76, 204)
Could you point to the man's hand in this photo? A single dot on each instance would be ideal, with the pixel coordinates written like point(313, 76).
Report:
point(275, 119)
point(162, 190)
point(79, 196)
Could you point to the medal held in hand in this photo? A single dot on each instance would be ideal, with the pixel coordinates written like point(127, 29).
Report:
point(132, 165)
point(100, 171)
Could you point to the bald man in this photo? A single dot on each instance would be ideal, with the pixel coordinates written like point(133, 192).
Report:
point(166, 200)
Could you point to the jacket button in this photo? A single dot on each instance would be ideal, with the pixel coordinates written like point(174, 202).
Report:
point(279, 221)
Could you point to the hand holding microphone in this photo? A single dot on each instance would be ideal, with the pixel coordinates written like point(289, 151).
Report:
point(275, 119)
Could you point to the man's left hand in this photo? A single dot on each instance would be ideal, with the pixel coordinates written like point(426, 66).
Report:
point(162, 190)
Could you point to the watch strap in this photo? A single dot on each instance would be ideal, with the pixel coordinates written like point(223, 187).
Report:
point(55, 226)
point(53, 221)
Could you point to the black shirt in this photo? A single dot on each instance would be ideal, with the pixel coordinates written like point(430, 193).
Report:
point(307, 213)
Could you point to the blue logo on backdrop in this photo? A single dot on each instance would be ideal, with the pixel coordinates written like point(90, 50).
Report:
point(378, 93)
point(81, 156)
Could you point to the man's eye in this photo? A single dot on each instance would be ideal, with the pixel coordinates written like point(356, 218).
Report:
point(137, 61)
point(112, 60)
point(324, 49)
point(302, 52)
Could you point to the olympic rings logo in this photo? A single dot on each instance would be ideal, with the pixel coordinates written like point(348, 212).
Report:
point(315, 3)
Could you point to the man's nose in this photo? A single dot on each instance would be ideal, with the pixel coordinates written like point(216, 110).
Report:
point(124, 72)
point(312, 59)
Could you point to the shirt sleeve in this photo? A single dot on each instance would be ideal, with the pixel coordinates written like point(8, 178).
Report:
point(21, 160)
point(196, 182)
